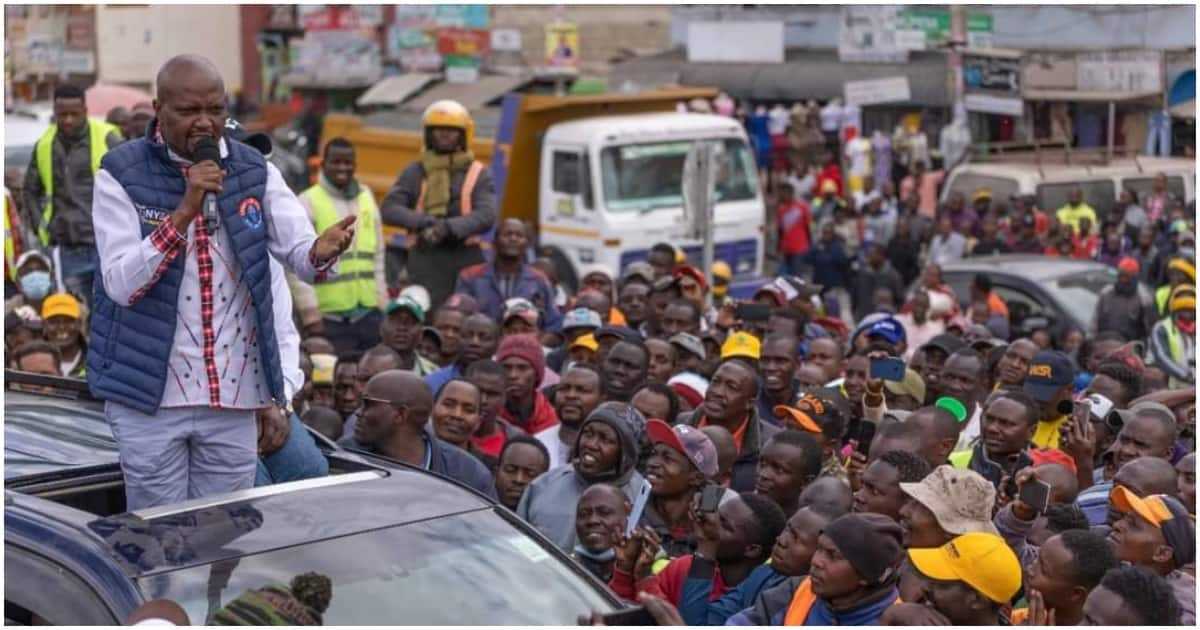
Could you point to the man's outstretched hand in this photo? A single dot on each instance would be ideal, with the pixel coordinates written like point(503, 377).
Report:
point(334, 240)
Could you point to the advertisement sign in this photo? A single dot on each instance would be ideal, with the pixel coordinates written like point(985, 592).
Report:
point(868, 35)
point(463, 41)
point(1120, 71)
point(506, 40)
point(462, 15)
point(988, 104)
point(1000, 75)
point(877, 91)
point(462, 69)
point(562, 45)
point(923, 29)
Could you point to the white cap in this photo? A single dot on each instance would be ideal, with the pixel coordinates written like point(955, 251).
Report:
point(419, 294)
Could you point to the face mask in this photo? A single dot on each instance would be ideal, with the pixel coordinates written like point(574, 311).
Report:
point(36, 284)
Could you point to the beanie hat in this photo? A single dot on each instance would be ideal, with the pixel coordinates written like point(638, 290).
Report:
point(524, 347)
point(872, 543)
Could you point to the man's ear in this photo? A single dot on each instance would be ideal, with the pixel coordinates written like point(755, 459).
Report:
point(1163, 554)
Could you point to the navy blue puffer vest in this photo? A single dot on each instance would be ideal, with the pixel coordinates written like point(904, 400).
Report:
point(130, 347)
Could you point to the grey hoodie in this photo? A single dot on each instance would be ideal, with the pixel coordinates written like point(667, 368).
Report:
point(549, 502)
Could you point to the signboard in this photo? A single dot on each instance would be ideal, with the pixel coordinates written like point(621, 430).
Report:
point(462, 15)
point(462, 69)
point(735, 42)
point(1119, 71)
point(463, 41)
point(922, 29)
point(506, 40)
point(562, 45)
point(412, 40)
point(77, 62)
point(339, 58)
point(332, 18)
point(988, 104)
point(999, 75)
point(868, 35)
point(876, 91)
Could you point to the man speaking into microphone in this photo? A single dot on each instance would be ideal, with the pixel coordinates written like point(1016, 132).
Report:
point(183, 348)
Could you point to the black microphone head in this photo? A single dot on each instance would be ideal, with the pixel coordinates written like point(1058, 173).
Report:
point(207, 150)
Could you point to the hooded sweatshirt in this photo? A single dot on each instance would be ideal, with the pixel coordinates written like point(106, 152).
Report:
point(549, 502)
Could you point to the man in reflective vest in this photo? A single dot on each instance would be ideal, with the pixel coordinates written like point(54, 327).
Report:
point(59, 183)
point(446, 201)
point(345, 309)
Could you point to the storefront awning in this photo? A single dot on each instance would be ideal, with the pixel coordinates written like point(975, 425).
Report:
point(804, 74)
point(397, 89)
point(472, 95)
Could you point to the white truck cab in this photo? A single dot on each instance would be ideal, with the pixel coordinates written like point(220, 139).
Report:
point(610, 187)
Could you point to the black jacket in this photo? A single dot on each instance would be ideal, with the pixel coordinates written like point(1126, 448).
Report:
point(447, 460)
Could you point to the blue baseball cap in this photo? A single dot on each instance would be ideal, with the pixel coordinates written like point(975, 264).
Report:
point(581, 318)
point(889, 329)
point(1048, 372)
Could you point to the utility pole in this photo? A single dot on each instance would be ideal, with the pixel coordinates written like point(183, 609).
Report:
point(958, 41)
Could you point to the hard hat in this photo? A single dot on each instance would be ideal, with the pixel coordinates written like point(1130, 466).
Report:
point(447, 113)
point(680, 256)
point(720, 269)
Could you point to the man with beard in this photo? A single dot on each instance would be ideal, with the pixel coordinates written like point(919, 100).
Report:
point(1157, 533)
point(599, 519)
point(378, 359)
point(522, 460)
point(624, 368)
point(1124, 307)
point(606, 452)
point(729, 402)
point(577, 395)
point(851, 581)
point(393, 423)
point(1004, 443)
point(479, 337)
point(1014, 364)
point(525, 407)
point(682, 461)
point(777, 366)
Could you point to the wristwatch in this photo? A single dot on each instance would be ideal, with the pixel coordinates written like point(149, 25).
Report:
point(286, 409)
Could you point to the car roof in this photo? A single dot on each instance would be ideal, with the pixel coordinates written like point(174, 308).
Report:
point(643, 127)
point(1031, 266)
point(280, 516)
point(45, 433)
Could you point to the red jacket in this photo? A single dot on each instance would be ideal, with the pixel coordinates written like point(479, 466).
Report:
point(794, 219)
point(668, 584)
point(543, 416)
point(833, 173)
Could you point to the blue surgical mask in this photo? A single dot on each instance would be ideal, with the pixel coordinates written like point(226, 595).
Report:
point(36, 284)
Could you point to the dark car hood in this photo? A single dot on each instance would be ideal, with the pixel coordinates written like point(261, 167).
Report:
point(44, 433)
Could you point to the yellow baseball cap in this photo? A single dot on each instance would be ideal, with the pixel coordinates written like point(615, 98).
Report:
point(586, 341)
point(980, 560)
point(741, 344)
point(323, 365)
point(60, 304)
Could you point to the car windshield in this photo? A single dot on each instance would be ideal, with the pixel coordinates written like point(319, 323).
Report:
point(468, 569)
point(641, 177)
point(1079, 292)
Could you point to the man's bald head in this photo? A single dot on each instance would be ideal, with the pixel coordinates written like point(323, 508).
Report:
point(607, 493)
point(401, 387)
point(829, 495)
point(1145, 476)
point(939, 431)
point(727, 452)
point(183, 70)
point(1064, 486)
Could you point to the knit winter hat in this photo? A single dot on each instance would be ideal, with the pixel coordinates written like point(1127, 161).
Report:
point(872, 543)
point(526, 348)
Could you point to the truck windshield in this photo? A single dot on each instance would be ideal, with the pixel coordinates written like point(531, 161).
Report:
point(641, 177)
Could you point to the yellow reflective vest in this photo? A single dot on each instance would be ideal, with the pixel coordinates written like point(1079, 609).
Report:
point(43, 152)
point(354, 285)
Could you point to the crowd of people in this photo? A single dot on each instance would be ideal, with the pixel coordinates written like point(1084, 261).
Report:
point(850, 452)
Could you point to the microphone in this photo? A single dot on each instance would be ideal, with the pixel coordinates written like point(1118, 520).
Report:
point(207, 150)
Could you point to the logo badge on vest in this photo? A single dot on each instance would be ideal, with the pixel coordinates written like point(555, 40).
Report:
point(251, 212)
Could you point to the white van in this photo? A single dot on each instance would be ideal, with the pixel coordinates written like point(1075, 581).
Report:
point(1051, 183)
point(610, 187)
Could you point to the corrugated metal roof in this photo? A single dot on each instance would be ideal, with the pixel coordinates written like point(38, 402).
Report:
point(805, 74)
point(472, 95)
point(395, 90)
